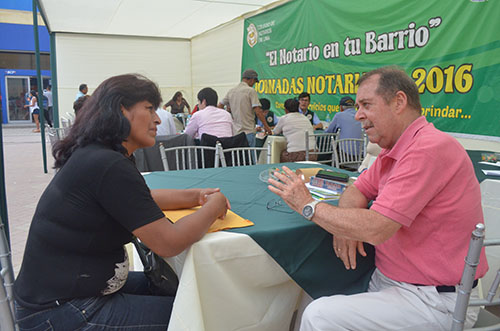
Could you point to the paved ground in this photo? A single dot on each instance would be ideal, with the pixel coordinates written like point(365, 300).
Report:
point(25, 182)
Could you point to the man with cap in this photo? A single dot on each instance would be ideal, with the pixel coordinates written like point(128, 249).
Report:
point(243, 102)
point(304, 101)
point(344, 120)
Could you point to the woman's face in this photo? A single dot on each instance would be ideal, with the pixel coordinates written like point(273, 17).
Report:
point(179, 98)
point(143, 121)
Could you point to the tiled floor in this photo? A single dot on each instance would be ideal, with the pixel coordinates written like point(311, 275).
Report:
point(25, 181)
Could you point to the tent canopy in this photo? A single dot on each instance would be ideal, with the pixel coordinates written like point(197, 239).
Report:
point(154, 18)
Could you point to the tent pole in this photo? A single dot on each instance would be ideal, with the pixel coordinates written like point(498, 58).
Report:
point(53, 71)
point(3, 193)
point(40, 88)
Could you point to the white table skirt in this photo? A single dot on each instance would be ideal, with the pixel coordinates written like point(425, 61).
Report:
point(228, 282)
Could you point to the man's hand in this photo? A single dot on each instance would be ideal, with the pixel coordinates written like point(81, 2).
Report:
point(291, 189)
point(345, 250)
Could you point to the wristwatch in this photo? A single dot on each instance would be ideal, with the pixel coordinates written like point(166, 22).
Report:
point(309, 209)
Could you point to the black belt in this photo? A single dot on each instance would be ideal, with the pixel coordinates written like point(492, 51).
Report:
point(447, 288)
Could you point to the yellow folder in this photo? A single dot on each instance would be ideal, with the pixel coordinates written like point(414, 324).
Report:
point(231, 221)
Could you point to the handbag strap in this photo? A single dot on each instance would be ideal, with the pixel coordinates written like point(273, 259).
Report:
point(141, 253)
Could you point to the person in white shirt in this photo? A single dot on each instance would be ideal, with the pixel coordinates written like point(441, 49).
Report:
point(209, 119)
point(293, 125)
point(167, 125)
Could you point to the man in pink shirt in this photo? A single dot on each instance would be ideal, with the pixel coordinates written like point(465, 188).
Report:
point(426, 202)
point(209, 119)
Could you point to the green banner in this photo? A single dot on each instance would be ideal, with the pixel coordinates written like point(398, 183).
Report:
point(450, 47)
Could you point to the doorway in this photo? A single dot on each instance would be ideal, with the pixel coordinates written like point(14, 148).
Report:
point(18, 88)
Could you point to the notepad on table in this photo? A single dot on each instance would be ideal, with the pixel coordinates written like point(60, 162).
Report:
point(496, 164)
point(231, 221)
point(491, 172)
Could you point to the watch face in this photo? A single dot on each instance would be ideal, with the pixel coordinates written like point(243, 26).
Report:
point(308, 211)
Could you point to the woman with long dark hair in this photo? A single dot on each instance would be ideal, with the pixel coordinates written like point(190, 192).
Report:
point(74, 273)
point(177, 104)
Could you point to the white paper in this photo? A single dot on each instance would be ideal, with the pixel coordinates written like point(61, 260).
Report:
point(491, 172)
point(497, 164)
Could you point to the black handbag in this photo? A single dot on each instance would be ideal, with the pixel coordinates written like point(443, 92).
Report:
point(163, 280)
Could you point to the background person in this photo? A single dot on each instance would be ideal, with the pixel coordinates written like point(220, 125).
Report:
point(78, 104)
point(48, 94)
point(34, 109)
point(167, 124)
point(271, 118)
point(293, 125)
point(348, 126)
point(304, 101)
point(74, 273)
point(82, 91)
point(177, 104)
point(243, 103)
point(209, 119)
point(427, 202)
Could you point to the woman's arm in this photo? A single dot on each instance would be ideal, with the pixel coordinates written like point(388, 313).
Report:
point(168, 104)
point(168, 199)
point(187, 105)
point(167, 239)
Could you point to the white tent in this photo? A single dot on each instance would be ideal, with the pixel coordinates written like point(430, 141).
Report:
point(181, 44)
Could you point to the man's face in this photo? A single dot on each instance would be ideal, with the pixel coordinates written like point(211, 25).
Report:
point(376, 116)
point(85, 90)
point(304, 103)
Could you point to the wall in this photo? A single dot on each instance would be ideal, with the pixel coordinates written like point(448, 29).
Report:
point(216, 58)
point(90, 59)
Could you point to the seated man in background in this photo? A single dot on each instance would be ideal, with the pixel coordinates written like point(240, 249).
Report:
point(167, 124)
point(293, 125)
point(304, 101)
point(427, 202)
point(209, 119)
point(345, 122)
point(270, 117)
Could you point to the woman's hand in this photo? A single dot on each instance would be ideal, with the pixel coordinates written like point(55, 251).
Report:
point(219, 201)
point(204, 194)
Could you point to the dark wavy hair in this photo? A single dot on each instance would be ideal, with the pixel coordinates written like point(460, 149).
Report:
point(101, 119)
point(176, 95)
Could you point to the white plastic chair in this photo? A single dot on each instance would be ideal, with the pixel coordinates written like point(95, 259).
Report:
point(241, 156)
point(349, 152)
point(56, 134)
point(464, 289)
point(7, 316)
point(189, 157)
point(323, 148)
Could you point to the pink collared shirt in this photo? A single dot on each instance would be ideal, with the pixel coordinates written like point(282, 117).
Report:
point(211, 120)
point(426, 183)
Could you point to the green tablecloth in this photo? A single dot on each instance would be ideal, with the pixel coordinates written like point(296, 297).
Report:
point(302, 248)
point(475, 157)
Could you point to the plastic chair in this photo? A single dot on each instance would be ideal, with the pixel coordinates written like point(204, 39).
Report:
point(464, 289)
point(7, 317)
point(349, 152)
point(65, 122)
point(189, 157)
point(56, 134)
point(241, 156)
point(323, 148)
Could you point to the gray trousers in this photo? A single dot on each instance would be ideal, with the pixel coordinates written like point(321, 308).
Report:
point(388, 305)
